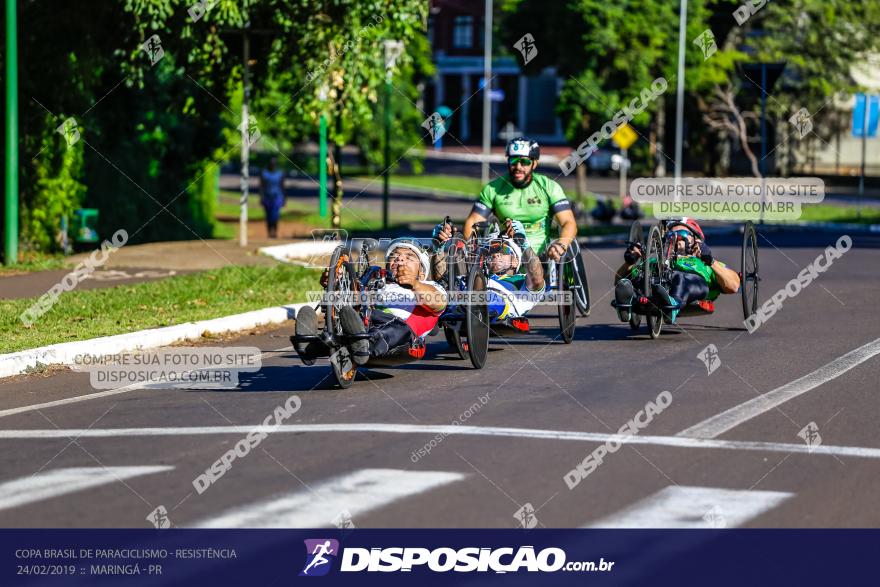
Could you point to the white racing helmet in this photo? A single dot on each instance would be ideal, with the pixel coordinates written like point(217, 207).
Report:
point(414, 246)
point(507, 246)
point(523, 147)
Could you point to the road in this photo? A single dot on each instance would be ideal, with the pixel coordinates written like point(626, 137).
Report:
point(109, 460)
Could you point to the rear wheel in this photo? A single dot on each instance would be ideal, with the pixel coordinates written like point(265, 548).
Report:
point(749, 276)
point(567, 308)
point(342, 287)
point(580, 285)
point(653, 270)
point(636, 235)
point(477, 316)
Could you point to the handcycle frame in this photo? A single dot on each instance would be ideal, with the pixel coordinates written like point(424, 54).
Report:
point(659, 258)
point(347, 282)
point(464, 255)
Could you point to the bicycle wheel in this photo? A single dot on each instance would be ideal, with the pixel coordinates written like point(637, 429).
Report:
point(477, 316)
point(567, 310)
point(579, 285)
point(342, 287)
point(655, 263)
point(749, 274)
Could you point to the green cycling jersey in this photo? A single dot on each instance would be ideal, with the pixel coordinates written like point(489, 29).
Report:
point(690, 264)
point(534, 205)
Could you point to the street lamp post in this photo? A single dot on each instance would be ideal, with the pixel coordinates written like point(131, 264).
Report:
point(245, 145)
point(11, 224)
point(393, 49)
point(679, 99)
point(487, 91)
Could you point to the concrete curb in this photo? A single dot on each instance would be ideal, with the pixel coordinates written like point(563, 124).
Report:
point(64, 353)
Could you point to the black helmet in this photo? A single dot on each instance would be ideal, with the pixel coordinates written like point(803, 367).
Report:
point(523, 147)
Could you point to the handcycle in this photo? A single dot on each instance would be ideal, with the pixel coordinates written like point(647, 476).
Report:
point(657, 269)
point(471, 256)
point(351, 282)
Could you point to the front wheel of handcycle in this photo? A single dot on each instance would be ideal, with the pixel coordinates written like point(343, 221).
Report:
point(566, 303)
point(476, 336)
point(342, 289)
point(655, 263)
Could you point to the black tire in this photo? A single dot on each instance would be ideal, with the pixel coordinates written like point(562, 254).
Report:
point(567, 312)
point(749, 268)
point(634, 321)
point(580, 285)
point(453, 338)
point(653, 274)
point(341, 279)
point(456, 267)
point(477, 316)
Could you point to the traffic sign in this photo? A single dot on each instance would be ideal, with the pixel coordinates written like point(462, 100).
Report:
point(624, 136)
point(858, 118)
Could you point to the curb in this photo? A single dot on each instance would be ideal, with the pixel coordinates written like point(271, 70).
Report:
point(64, 353)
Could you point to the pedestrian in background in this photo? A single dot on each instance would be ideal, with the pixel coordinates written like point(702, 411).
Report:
point(272, 195)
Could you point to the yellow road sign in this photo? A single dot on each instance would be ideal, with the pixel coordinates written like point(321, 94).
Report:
point(624, 136)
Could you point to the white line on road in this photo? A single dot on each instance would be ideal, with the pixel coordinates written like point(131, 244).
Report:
point(528, 433)
point(694, 507)
point(109, 392)
point(357, 492)
point(721, 423)
point(55, 483)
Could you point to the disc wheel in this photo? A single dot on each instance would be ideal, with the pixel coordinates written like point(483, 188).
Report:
point(342, 286)
point(750, 279)
point(634, 321)
point(477, 315)
point(567, 311)
point(636, 234)
point(456, 268)
point(654, 265)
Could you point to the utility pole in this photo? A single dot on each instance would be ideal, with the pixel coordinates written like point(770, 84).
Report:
point(487, 90)
point(11, 224)
point(393, 49)
point(679, 98)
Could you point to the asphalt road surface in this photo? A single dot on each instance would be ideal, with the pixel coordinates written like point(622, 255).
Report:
point(783, 432)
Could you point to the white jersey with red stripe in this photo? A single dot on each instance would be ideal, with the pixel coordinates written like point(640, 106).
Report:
point(401, 303)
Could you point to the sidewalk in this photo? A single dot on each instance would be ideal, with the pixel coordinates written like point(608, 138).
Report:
point(146, 262)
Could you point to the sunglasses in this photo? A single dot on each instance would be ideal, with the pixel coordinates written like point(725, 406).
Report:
point(682, 233)
point(524, 161)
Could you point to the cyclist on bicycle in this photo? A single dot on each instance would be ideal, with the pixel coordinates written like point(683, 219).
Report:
point(696, 277)
point(531, 199)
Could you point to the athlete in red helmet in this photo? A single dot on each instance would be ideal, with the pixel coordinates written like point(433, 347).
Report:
point(696, 275)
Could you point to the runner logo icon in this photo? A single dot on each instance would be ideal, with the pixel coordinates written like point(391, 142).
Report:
point(320, 554)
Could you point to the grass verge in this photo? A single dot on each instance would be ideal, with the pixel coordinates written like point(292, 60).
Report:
point(79, 315)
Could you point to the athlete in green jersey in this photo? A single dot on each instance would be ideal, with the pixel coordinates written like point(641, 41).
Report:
point(528, 198)
point(696, 274)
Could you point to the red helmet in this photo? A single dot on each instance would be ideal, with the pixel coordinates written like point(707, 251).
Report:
point(691, 225)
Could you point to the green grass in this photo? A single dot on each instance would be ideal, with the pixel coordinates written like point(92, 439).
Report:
point(80, 315)
point(32, 261)
point(353, 220)
point(845, 214)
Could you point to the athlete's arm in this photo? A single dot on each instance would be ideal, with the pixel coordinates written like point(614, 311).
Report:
point(728, 280)
point(473, 218)
point(534, 271)
point(567, 233)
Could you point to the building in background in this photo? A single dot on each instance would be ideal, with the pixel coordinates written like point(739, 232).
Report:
point(526, 103)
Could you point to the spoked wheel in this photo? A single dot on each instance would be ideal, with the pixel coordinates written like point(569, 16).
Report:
point(654, 266)
point(342, 289)
point(476, 321)
point(567, 309)
point(750, 279)
point(580, 286)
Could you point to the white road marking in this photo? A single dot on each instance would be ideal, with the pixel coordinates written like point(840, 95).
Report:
point(57, 482)
point(358, 492)
point(721, 423)
point(694, 507)
point(109, 392)
point(597, 437)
